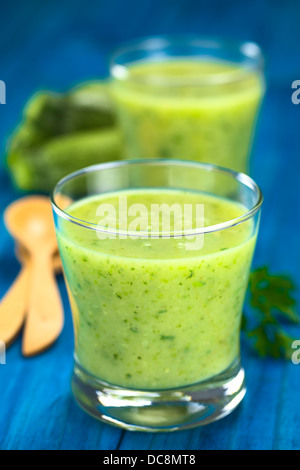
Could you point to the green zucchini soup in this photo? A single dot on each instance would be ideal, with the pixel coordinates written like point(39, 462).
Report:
point(150, 313)
point(188, 97)
point(212, 123)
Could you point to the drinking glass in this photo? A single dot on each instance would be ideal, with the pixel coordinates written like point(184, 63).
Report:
point(157, 311)
point(188, 97)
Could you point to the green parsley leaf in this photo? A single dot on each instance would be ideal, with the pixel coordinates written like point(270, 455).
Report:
point(271, 300)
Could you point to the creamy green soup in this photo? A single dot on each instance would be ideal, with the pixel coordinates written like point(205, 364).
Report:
point(148, 312)
point(190, 110)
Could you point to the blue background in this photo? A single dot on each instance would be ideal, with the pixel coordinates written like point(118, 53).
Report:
point(54, 45)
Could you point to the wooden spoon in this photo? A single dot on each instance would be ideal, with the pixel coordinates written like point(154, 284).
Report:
point(15, 302)
point(30, 221)
point(13, 305)
point(23, 256)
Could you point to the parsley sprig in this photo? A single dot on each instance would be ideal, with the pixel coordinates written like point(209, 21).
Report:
point(271, 305)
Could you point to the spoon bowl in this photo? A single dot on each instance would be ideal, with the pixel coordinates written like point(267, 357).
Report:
point(30, 222)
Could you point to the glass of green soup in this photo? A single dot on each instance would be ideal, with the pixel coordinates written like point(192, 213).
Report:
point(188, 98)
point(156, 256)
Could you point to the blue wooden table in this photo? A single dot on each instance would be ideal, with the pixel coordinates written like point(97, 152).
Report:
point(53, 45)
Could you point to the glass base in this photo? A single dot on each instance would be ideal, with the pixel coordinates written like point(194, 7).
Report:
point(160, 410)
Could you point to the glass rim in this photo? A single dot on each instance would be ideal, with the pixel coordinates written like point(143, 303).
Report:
point(238, 176)
point(250, 50)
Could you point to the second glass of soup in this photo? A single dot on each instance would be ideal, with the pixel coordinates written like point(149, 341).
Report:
point(189, 98)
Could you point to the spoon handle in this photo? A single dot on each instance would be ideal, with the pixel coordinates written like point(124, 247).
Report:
point(13, 306)
point(45, 318)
